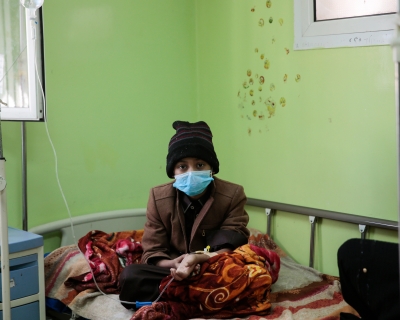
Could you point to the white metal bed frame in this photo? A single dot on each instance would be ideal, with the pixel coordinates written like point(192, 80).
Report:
point(315, 214)
point(127, 219)
point(131, 219)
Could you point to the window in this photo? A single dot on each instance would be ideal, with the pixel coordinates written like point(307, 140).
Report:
point(328, 9)
point(343, 23)
point(20, 45)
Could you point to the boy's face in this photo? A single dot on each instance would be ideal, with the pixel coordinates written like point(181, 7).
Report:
point(190, 164)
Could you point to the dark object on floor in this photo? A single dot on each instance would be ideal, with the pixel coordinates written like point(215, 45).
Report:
point(369, 276)
point(54, 315)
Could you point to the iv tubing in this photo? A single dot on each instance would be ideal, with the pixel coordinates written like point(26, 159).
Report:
point(137, 303)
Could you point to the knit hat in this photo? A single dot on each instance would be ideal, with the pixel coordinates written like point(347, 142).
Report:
point(191, 140)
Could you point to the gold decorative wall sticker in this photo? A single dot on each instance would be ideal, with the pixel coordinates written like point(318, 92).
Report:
point(270, 103)
point(271, 111)
point(254, 100)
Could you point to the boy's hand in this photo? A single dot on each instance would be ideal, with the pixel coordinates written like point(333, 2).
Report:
point(190, 263)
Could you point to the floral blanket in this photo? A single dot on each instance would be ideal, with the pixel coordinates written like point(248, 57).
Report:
point(67, 273)
point(299, 293)
point(228, 285)
point(107, 255)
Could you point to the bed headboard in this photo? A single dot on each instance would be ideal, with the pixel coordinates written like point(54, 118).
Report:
point(108, 221)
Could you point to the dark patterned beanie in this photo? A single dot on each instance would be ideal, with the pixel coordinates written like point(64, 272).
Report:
point(192, 140)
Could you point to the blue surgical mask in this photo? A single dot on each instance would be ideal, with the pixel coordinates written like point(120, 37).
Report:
point(193, 182)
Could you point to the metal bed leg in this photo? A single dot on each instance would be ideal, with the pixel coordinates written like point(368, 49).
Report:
point(363, 230)
point(313, 221)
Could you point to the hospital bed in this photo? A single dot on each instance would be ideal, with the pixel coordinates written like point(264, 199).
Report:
point(301, 292)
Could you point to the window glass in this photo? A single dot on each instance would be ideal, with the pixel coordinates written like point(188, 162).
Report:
point(337, 9)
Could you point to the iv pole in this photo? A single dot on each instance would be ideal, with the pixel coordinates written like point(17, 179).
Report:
point(396, 55)
point(31, 6)
point(24, 179)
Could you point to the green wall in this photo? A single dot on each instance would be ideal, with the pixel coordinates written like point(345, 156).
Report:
point(119, 73)
point(331, 146)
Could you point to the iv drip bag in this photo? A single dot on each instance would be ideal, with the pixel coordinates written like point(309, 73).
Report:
point(32, 4)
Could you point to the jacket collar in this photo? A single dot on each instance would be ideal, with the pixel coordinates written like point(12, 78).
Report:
point(187, 201)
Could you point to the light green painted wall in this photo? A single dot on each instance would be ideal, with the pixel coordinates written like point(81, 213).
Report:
point(332, 146)
point(119, 73)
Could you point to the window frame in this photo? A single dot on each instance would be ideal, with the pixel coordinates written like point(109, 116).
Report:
point(35, 109)
point(348, 32)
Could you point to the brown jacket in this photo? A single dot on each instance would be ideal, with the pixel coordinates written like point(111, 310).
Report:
point(164, 231)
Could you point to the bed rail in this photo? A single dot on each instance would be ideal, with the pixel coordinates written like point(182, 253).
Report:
point(130, 219)
point(126, 219)
point(362, 221)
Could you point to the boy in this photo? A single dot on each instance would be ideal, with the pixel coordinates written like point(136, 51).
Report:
point(194, 212)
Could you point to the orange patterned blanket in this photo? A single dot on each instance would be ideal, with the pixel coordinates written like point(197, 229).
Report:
point(230, 284)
